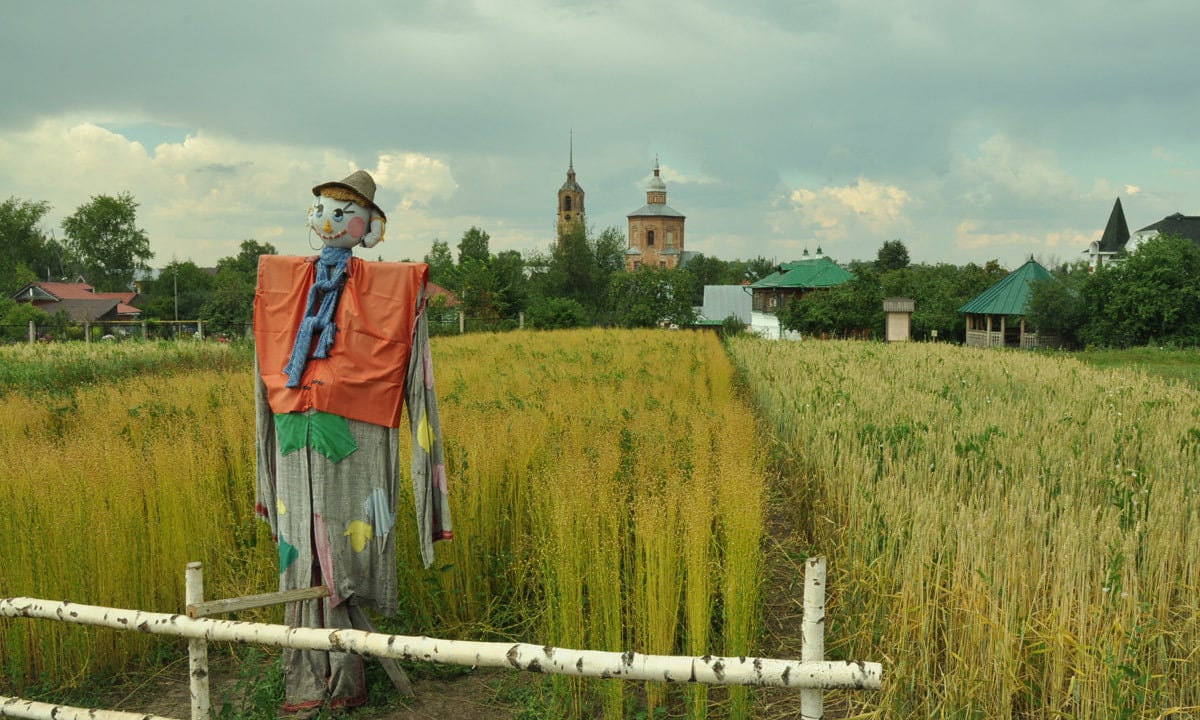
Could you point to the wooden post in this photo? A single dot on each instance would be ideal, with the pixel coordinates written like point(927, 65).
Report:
point(197, 647)
point(32, 332)
point(462, 322)
point(812, 634)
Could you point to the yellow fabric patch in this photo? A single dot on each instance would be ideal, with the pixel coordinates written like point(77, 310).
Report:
point(359, 533)
point(280, 508)
point(425, 434)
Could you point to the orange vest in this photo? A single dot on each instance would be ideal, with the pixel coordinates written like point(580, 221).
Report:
point(363, 377)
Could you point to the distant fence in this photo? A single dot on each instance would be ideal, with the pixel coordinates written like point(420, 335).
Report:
point(444, 323)
point(118, 330)
point(811, 675)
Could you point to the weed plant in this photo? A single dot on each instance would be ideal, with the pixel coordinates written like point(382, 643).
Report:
point(607, 489)
point(108, 492)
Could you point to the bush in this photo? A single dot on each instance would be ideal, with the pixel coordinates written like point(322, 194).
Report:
point(557, 313)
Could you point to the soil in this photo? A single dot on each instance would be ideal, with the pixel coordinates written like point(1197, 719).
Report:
point(465, 696)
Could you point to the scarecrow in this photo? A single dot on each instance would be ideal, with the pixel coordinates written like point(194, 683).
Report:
point(341, 346)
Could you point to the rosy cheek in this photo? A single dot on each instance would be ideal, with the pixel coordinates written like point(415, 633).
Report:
point(357, 228)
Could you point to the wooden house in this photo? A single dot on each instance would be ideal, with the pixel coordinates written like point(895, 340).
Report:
point(79, 301)
point(794, 280)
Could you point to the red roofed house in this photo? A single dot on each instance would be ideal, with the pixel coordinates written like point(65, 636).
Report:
point(79, 301)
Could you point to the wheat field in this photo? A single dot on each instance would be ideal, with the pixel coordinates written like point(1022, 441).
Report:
point(1010, 533)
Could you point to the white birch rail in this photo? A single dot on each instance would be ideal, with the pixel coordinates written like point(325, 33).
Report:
point(708, 669)
point(16, 707)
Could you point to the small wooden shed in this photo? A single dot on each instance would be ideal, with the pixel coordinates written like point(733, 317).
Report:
point(899, 318)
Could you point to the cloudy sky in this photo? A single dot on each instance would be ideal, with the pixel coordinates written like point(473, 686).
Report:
point(970, 129)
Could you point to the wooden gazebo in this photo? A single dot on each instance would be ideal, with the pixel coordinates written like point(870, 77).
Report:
point(996, 318)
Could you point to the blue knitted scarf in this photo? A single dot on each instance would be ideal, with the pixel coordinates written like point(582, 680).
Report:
point(327, 289)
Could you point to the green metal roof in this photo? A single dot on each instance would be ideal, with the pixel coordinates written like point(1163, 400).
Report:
point(1010, 296)
point(811, 273)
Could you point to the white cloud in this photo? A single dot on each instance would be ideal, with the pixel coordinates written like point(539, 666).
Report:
point(834, 212)
point(971, 235)
point(200, 198)
point(1007, 171)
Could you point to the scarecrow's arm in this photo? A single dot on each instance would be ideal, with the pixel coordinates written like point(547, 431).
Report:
point(264, 421)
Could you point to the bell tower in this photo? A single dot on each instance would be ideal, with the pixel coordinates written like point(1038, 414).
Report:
point(570, 197)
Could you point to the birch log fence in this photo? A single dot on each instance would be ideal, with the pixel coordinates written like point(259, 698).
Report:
point(811, 674)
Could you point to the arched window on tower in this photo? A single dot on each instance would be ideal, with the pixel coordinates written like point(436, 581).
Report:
point(649, 238)
point(567, 203)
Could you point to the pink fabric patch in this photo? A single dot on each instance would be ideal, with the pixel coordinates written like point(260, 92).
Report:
point(439, 478)
point(427, 368)
point(357, 228)
point(325, 557)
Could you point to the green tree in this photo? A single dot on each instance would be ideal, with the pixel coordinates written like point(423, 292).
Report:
point(103, 234)
point(709, 271)
point(245, 262)
point(229, 309)
point(1153, 297)
point(556, 313)
point(1056, 305)
point(650, 296)
point(179, 292)
point(26, 254)
point(756, 269)
point(893, 255)
point(479, 291)
point(509, 269)
point(841, 311)
point(441, 265)
point(474, 246)
point(15, 317)
point(937, 291)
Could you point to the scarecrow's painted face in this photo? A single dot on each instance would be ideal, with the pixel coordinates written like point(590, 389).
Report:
point(339, 223)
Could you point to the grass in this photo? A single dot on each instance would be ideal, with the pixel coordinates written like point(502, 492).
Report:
point(1171, 364)
point(62, 368)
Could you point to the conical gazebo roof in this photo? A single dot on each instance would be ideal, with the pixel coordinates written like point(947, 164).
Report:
point(1010, 296)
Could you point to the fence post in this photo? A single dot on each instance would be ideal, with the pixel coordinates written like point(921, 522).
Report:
point(87, 333)
point(200, 328)
point(462, 322)
point(32, 332)
point(812, 633)
point(521, 320)
point(197, 648)
point(145, 335)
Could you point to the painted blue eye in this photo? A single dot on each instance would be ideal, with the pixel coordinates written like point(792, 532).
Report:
point(319, 210)
point(337, 215)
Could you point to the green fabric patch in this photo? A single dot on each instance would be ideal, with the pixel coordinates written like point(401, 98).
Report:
point(327, 433)
point(291, 429)
point(330, 436)
point(287, 554)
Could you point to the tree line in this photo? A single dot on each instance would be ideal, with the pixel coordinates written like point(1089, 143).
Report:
point(580, 280)
point(1150, 296)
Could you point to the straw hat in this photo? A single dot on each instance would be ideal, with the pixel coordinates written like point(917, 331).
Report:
point(358, 182)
